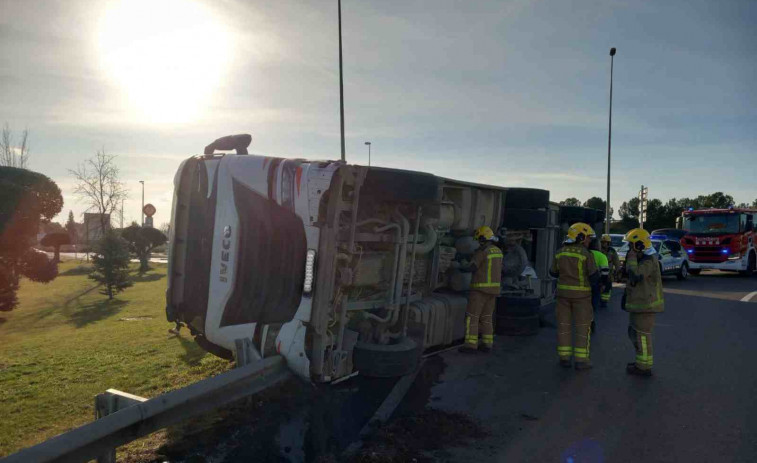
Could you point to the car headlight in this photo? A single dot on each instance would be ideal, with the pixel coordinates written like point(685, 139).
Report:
point(307, 287)
point(735, 256)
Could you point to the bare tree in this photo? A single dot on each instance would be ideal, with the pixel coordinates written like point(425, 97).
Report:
point(98, 185)
point(12, 155)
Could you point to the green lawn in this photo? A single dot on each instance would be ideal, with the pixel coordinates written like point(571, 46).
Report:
point(65, 343)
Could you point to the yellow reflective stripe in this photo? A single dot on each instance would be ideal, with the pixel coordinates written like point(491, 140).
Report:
point(467, 326)
point(644, 352)
point(578, 256)
point(485, 285)
point(581, 273)
point(574, 288)
point(646, 306)
point(489, 272)
point(494, 256)
point(581, 350)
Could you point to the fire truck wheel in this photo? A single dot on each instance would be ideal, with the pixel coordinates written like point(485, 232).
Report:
point(695, 271)
point(750, 266)
point(524, 219)
point(386, 360)
point(526, 198)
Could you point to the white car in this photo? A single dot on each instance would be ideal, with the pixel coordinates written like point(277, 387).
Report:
point(673, 260)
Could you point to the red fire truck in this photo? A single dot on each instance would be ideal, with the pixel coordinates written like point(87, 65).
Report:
point(722, 239)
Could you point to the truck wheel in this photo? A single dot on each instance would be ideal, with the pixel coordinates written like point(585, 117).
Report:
point(571, 214)
point(750, 266)
point(517, 326)
point(524, 219)
point(695, 271)
point(526, 198)
point(514, 306)
point(683, 273)
point(386, 360)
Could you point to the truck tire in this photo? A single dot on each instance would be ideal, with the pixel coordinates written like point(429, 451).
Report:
point(515, 306)
point(386, 360)
point(517, 326)
point(526, 198)
point(751, 266)
point(571, 214)
point(524, 219)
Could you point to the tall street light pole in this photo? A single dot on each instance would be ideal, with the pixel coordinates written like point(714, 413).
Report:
point(142, 212)
point(609, 143)
point(341, 82)
point(369, 153)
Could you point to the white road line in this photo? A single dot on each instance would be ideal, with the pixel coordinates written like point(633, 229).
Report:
point(749, 296)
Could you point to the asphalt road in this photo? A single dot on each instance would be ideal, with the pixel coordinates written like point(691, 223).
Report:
point(699, 406)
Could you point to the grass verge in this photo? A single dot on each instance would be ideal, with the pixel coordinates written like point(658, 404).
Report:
point(66, 342)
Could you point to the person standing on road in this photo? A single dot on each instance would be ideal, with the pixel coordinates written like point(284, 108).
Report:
point(642, 299)
point(598, 288)
point(614, 263)
point(576, 271)
point(484, 289)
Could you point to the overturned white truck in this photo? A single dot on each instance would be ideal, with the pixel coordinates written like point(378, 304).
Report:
point(343, 268)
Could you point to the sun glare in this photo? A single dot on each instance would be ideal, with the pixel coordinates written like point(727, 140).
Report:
point(168, 56)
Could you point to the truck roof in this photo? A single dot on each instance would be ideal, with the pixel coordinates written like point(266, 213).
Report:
point(720, 211)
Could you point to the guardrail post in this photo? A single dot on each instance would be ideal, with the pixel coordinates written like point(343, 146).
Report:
point(109, 402)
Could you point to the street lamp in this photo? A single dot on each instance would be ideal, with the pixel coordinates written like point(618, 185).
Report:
point(369, 153)
point(142, 212)
point(609, 142)
point(341, 84)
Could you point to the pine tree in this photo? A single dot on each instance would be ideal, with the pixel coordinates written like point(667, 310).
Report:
point(111, 262)
point(71, 227)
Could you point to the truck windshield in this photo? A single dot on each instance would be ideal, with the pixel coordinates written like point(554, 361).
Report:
point(712, 224)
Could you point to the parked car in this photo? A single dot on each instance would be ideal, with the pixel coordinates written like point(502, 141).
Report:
point(673, 259)
point(616, 241)
point(668, 234)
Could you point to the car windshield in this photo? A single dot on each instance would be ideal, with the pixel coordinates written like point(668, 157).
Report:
point(656, 245)
point(712, 224)
point(624, 247)
point(616, 241)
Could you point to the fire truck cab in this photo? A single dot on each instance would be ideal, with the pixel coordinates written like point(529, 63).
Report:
point(722, 239)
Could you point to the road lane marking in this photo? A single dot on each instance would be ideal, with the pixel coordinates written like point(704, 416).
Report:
point(749, 296)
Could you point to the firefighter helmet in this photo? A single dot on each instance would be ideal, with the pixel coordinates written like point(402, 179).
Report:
point(639, 239)
point(484, 232)
point(606, 238)
point(579, 231)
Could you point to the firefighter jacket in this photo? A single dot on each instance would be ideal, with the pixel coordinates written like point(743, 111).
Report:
point(575, 270)
point(644, 289)
point(613, 260)
point(603, 266)
point(487, 273)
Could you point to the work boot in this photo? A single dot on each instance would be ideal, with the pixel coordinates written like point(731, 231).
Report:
point(565, 363)
point(484, 348)
point(468, 350)
point(632, 369)
point(583, 366)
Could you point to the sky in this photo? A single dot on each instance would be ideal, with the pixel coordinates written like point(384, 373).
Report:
point(510, 92)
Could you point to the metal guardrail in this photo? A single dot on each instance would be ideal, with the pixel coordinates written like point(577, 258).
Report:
point(140, 418)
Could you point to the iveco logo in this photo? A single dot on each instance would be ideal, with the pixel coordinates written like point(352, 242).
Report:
point(225, 253)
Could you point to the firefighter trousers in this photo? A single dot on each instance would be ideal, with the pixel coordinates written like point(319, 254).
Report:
point(478, 318)
point(640, 327)
point(570, 312)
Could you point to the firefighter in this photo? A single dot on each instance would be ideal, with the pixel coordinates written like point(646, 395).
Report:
point(614, 261)
point(598, 288)
point(486, 267)
point(642, 299)
point(576, 271)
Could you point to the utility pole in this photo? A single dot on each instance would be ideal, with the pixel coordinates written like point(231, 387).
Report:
point(142, 211)
point(341, 82)
point(609, 143)
point(369, 153)
point(643, 195)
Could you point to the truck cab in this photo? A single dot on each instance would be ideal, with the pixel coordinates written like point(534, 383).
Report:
point(720, 239)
